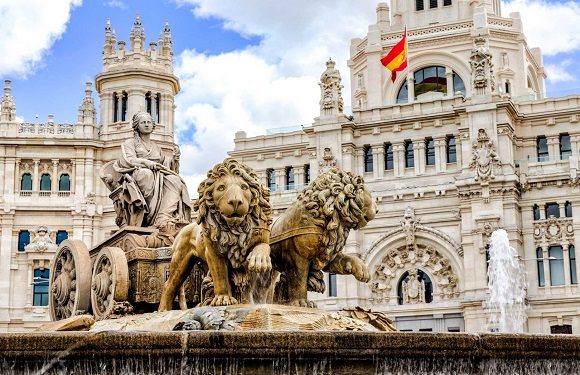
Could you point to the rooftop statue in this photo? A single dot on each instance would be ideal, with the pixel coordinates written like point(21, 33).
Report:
point(231, 235)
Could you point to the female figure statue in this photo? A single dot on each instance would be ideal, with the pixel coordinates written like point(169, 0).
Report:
point(151, 180)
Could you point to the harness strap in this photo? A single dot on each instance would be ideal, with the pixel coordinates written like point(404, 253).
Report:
point(295, 232)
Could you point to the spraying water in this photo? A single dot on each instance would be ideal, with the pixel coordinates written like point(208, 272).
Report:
point(506, 304)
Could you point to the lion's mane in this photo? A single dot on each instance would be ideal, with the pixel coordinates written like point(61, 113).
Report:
point(335, 202)
point(232, 240)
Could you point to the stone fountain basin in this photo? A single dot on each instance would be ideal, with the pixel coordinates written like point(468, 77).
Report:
point(219, 352)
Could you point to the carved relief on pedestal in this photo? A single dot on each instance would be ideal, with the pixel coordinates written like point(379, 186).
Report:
point(485, 161)
point(397, 260)
point(413, 289)
point(328, 161)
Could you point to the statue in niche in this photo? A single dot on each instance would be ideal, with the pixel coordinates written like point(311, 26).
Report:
point(41, 241)
point(409, 224)
point(413, 289)
point(153, 193)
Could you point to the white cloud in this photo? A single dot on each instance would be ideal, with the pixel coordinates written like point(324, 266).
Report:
point(552, 26)
point(28, 30)
point(115, 4)
point(559, 72)
point(271, 85)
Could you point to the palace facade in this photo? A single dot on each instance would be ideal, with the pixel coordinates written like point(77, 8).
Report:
point(462, 144)
point(51, 188)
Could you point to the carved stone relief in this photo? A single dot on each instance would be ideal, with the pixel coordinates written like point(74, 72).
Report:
point(409, 225)
point(553, 231)
point(413, 289)
point(331, 102)
point(482, 75)
point(328, 161)
point(41, 241)
point(397, 260)
point(484, 160)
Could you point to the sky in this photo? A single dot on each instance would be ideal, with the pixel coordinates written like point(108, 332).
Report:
point(247, 65)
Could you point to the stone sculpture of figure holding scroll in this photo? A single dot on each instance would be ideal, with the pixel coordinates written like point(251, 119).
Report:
point(152, 191)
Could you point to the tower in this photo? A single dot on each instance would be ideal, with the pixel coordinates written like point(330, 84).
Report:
point(137, 78)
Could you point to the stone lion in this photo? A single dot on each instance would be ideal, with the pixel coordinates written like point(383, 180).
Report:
point(309, 236)
point(230, 234)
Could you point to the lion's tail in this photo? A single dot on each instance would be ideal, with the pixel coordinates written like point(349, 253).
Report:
point(316, 281)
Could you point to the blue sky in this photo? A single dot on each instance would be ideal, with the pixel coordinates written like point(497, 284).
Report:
point(243, 64)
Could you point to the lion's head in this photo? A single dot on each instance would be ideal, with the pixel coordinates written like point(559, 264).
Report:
point(232, 202)
point(338, 201)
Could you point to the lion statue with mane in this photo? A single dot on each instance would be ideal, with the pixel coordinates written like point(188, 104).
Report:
point(309, 237)
point(230, 234)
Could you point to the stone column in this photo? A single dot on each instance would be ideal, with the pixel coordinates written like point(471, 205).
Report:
point(16, 175)
point(440, 156)
point(398, 159)
point(29, 281)
point(566, 252)
point(107, 109)
point(280, 183)
point(89, 171)
point(135, 102)
point(449, 79)
point(54, 185)
point(562, 208)
point(298, 176)
point(79, 173)
point(410, 88)
point(458, 151)
point(546, 263)
point(419, 156)
point(553, 148)
point(378, 161)
point(35, 177)
point(6, 248)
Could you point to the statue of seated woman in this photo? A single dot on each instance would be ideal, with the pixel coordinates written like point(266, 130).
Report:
point(152, 188)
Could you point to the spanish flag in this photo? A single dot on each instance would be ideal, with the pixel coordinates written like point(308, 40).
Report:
point(396, 59)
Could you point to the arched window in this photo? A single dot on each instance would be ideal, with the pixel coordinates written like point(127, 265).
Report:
point(536, 210)
point(556, 255)
point(23, 239)
point(45, 184)
point(64, 182)
point(26, 182)
point(431, 79)
point(421, 277)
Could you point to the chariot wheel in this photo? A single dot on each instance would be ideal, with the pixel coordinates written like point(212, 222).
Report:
point(110, 281)
point(70, 280)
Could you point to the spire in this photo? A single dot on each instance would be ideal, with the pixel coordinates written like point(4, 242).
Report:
point(109, 44)
point(167, 47)
point(137, 35)
point(331, 103)
point(87, 111)
point(8, 107)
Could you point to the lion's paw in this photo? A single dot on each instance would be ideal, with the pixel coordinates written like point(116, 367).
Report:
point(259, 260)
point(223, 300)
point(359, 270)
point(303, 303)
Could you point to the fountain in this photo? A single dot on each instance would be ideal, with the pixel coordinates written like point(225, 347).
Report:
point(506, 303)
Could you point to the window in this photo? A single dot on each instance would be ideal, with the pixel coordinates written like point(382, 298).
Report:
point(332, 290)
point(158, 107)
point(450, 149)
point(306, 173)
point(23, 239)
point(40, 283)
point(64, 182)
point(536, 209)
point(447, 3)
point(552, 209)
point(45, 184)
point(432, 4)
point(26, 182)
point(453, 329)
point(540, 259)
point(507, 87)
point(565, 329)
point(409, 156)
point(573, 274)
point(568, 209)
point(542, 148)
point(421, 276)
point(565, 147)
point(115, 107)
point(289, 178)
point(119, 107)
point(61, 235)
point(419, 5)
point(432, 78)
point(124, 107)
point(271, 176)
point(556, 255)
point(429, 151)
point(389, 156)
point(148, 103)
point(368, 158)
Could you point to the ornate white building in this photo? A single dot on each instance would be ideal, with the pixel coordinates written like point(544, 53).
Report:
point(50, 187)
point(463, 144)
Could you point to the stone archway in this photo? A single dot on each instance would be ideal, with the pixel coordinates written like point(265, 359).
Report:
point(398, 260)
